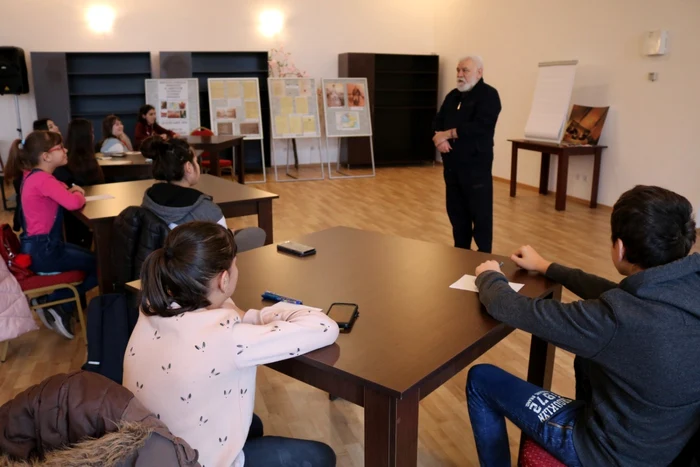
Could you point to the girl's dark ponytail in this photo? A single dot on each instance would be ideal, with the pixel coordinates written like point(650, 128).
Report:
point(181, 272)
point(25, 155)
point(13, 168)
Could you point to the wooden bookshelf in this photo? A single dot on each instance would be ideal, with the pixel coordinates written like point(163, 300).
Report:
point(403, 91)
point(90, 85)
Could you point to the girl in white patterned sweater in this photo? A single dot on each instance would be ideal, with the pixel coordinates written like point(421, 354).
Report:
point(193, 355)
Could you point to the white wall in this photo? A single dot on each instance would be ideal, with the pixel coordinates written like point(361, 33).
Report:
point(651, 128)
point(315, 32)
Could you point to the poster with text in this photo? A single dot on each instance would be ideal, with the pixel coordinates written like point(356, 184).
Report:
point(294, 108)
point(176, 102)
point(346, 107)
point(234, 106)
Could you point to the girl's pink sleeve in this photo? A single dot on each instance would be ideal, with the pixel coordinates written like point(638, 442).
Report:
point(52, 188)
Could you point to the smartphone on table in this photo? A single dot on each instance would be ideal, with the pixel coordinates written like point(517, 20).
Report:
point(296, 249)
point(345, 314)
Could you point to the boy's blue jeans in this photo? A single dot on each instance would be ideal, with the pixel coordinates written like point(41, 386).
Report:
point(547, 418)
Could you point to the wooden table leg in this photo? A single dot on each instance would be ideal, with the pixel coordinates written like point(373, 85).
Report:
point(596, 178)
point(240, 162)
point(214, 161)
point(391, 429)
point(562, 181)
point(541, 364)
point(103, 252)
point(544, 173)
point(513, 170)
point(3, 350)
point(265, 218)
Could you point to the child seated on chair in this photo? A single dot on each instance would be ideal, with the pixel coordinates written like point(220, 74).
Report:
point(638, 342)
point(42, 200)
point(114, 139)
point(193, 355)
point(147, 126)
point(176, 201)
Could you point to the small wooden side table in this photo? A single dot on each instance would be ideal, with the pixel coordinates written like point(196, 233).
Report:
point(564, 152)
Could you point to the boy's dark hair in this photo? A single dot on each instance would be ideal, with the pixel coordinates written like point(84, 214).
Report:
point(655, 225)
point(143, 110)
point(41, 124)
point(169, 157)
point(194, 253)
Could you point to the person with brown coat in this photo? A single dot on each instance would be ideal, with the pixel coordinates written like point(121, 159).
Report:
point(85, 419)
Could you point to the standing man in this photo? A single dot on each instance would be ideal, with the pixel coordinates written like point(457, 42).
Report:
point(464, 129)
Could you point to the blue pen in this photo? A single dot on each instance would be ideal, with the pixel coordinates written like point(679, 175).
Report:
point(267, 295)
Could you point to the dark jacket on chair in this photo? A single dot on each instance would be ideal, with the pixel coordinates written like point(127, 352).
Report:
point(137, 232)
point(84, 419)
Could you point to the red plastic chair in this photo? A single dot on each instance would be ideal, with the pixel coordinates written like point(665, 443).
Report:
point(206, 163)
point(38, 286)
point(533, 455)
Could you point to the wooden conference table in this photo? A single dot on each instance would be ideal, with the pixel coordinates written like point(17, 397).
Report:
point(131, 166)
point(234, 199)
point(214, 145)
point(413, 334)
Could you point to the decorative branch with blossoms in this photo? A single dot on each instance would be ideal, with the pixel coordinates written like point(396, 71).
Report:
point(281, 66)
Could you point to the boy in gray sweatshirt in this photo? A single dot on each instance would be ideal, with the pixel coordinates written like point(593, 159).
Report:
point(639, 341)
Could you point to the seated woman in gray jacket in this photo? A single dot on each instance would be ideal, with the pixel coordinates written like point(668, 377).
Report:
point(175, 201)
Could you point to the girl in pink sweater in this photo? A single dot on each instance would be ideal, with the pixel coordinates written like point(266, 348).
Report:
point(193, 354)
point(43, 199)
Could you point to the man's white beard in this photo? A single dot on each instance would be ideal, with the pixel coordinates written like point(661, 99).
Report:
point(464, 85)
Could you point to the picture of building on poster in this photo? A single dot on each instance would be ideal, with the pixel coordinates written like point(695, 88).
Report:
point(250, 128)
point(335, 94)
point(224, 128)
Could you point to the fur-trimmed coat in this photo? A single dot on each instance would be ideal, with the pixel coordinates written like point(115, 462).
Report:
point(85, 419)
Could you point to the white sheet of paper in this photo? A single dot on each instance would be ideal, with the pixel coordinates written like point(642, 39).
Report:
point(467, 282)
point(98, 197)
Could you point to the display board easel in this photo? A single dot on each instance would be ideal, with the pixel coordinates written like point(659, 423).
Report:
point(347, 115)
point(234, 109)
point(176, 102)
point(550, 105)
point(294, 114)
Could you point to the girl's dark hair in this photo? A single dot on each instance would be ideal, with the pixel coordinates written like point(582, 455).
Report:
point(143, 110)
point(26, 156)
point(169, 157)
point(655, 225)
point(194, 253)
point(41, 124)
point(107, 125)
point(81, 152)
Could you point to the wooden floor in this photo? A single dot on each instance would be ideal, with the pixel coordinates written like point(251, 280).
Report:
point(407, 202)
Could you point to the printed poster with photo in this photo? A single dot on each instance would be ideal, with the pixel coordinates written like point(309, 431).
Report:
point(346, 105)
point(234, 107)
point(176, 102)
point(294, 108)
